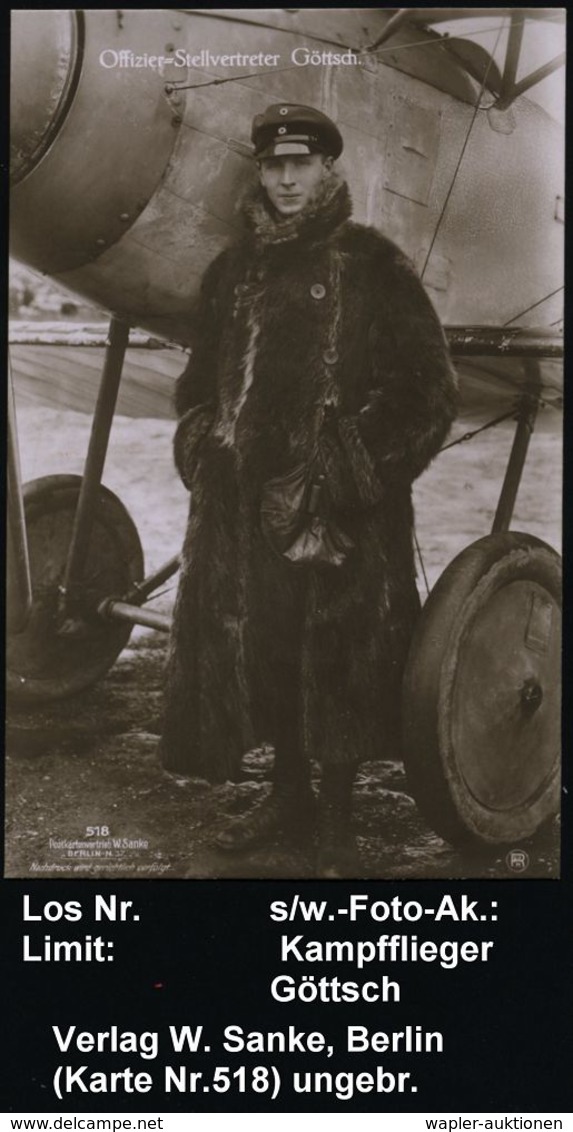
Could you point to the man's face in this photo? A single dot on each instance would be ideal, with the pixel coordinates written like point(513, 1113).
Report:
point(292, 182)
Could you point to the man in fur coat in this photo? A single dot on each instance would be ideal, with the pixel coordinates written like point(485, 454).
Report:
point(319, 387)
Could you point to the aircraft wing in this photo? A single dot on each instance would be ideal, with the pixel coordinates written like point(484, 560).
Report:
point(441, 15)
point(498, 366)
point(60, 364)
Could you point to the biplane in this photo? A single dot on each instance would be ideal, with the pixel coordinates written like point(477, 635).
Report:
point(130, 149)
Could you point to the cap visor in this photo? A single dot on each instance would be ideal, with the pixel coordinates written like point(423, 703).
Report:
point(285, 149)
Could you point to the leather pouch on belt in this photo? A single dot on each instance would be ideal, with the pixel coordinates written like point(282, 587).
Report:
point(295, 523)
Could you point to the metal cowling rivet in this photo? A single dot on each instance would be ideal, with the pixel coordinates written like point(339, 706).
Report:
point(318, 291)
point(330, 356)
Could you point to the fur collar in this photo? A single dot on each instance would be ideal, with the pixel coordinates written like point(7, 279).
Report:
point(322, 215)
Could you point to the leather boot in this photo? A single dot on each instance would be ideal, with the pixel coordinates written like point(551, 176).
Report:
point(290, 809)
point(338, 855)
point(288, 812)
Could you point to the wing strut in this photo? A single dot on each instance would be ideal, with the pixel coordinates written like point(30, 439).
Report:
point(527, 409)
point(510, 89)
point(505, 89)
point(19, 600)
point(95, 460)
point(512, 54)
point(531, 345)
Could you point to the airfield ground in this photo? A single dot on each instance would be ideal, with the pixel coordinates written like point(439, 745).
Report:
point(90, 761)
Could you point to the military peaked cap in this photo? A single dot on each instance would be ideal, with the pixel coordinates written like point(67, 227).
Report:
point(287, 128)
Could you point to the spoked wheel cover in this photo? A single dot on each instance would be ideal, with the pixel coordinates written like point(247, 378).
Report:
point(482, 693)
point(42, 664)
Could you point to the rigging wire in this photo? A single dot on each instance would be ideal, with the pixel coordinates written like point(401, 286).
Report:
point(421, 561)
point(461, 157)
point(534, 305)
point(460, 440)
point(436, 41)
point(173, 87)
point(469, 435)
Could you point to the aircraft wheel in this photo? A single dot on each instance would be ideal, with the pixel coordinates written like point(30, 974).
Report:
point(482, 693)
point(42, 662)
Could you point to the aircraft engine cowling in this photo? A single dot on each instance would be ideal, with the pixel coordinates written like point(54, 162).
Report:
point(122, 187)
point(46, 62)
point(87, 154)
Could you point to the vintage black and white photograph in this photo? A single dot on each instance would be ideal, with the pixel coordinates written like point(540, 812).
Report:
point(285, 443)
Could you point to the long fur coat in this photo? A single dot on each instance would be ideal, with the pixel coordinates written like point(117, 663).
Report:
point(313, 340)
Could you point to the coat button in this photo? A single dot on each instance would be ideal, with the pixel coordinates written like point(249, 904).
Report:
point(318, 291)
point(330, 356)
